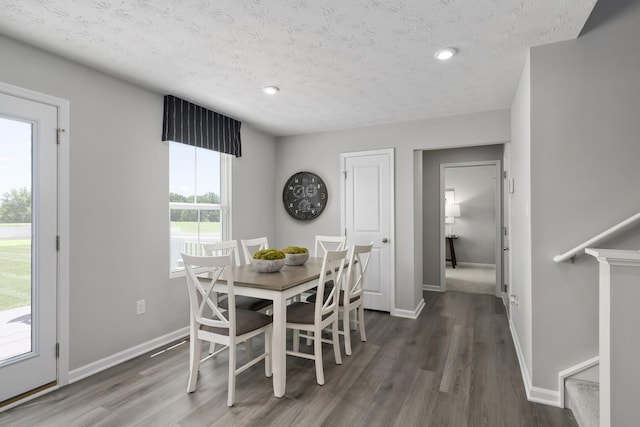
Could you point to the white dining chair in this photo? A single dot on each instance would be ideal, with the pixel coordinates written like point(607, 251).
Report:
point(251, 246)
point(352, 294)
point(326, 243)
point(208, 322)
point(242, 302)
point(314, 317)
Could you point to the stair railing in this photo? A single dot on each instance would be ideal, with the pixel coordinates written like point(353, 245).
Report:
point(571, 254)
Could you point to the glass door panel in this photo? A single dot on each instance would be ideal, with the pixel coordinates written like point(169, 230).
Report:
point(15, 239)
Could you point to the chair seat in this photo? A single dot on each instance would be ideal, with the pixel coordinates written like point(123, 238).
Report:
point(312, 298)
point(246, 321)
point(247, 303)
point(302, 312)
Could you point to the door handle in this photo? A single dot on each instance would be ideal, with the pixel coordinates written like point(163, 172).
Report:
point(385, 240)
point(505, 249)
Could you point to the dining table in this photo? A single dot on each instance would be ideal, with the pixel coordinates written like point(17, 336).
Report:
point(290, 281)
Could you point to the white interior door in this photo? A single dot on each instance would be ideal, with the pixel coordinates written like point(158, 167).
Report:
point(28, 257)
point(368, 217)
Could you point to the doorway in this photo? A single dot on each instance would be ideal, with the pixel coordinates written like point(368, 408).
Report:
point(30, 265)
point(471, 214)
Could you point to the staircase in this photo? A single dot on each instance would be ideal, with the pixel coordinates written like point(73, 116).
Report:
point(583, 398)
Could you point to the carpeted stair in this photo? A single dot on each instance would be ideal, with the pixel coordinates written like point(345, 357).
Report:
point(583, 398)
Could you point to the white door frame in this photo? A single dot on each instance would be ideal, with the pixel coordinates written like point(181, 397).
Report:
point(62, 278)
point(392, 204)
point(498, 210)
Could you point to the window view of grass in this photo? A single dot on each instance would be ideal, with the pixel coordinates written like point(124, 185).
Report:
point(15, 272)
point(192, 227)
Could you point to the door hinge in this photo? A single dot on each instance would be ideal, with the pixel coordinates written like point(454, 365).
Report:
point(504, 174)
point(57, 350)
point(345, 174)
point(58, 132)
point(57, 243)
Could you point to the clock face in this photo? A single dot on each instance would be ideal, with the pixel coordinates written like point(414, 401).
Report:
point(304, 196)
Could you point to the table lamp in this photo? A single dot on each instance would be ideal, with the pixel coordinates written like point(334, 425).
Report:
point(450, 213)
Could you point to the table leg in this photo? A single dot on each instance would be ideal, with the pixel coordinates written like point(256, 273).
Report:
point(279, 345)
point(452, 252)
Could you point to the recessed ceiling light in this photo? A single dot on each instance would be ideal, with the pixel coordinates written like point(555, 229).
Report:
point(270, 90)
point(446, 53)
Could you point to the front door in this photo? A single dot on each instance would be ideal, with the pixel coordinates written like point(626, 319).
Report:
point(28, 258)
point(368, 217)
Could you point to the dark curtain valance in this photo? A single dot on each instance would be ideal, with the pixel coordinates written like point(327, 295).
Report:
point(195, 125)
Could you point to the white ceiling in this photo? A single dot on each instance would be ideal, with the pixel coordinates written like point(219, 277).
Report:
point(339, 63)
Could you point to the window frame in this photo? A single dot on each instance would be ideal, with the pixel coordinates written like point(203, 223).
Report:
point(224, 207)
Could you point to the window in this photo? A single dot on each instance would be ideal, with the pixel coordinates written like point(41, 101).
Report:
point(198, 200)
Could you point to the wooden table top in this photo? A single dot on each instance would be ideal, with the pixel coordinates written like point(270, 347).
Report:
point(290, 275)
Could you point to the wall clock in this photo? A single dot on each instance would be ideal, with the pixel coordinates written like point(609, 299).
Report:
point(304, 196)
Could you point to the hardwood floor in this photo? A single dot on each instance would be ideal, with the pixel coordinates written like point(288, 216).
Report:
point(454, 366)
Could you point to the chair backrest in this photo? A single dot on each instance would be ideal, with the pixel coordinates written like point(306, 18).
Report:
point(223, 248)
point(251, 246)
point(356, 272)
point(201, 292)
point(333, 269)
point(329, 243)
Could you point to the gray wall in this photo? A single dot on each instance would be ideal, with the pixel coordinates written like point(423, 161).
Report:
point(119, 192)
point(475, 192)
point(585, 100)
point(431, 161)
point(519, 220)
point(320, 153)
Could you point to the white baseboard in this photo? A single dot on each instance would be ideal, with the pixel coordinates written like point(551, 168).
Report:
point(409, 314)
point(431, 288)
point(534, 394)
point(573, 370)
point(123, 356)
point(476, 264)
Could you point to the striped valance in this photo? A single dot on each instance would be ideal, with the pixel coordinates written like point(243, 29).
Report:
point(195, 125)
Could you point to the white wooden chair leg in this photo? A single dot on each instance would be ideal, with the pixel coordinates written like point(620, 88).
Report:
point(363, 335)
point(346, 330)
point(231, 393)
point(317, 352)
point(296, 340)
point(212, 347)
point(309, 339)
point(194, 364)
point(268, 367)
point(336, 343)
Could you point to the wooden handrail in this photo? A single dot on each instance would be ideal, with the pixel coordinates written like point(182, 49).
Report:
point(597, 239)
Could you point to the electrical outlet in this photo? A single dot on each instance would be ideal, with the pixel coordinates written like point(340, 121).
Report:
point(140, 307)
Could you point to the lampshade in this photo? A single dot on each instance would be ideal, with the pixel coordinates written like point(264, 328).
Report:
point(451, 210)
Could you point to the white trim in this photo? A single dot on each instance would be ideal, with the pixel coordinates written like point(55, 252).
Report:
point(563, 375)
point(431, 288)
point(534, 394)
point(392, 221)
point(63, 107)
point(476, 264)
point(498, 219)
point(409, 314)
point(115, 359)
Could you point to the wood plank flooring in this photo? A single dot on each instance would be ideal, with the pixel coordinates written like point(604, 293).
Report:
point(454, 366)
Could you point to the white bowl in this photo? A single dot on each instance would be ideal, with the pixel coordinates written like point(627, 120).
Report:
point(296, 259)
point(268, 266)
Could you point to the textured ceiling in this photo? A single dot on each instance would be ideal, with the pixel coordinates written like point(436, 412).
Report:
point(339, 63)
